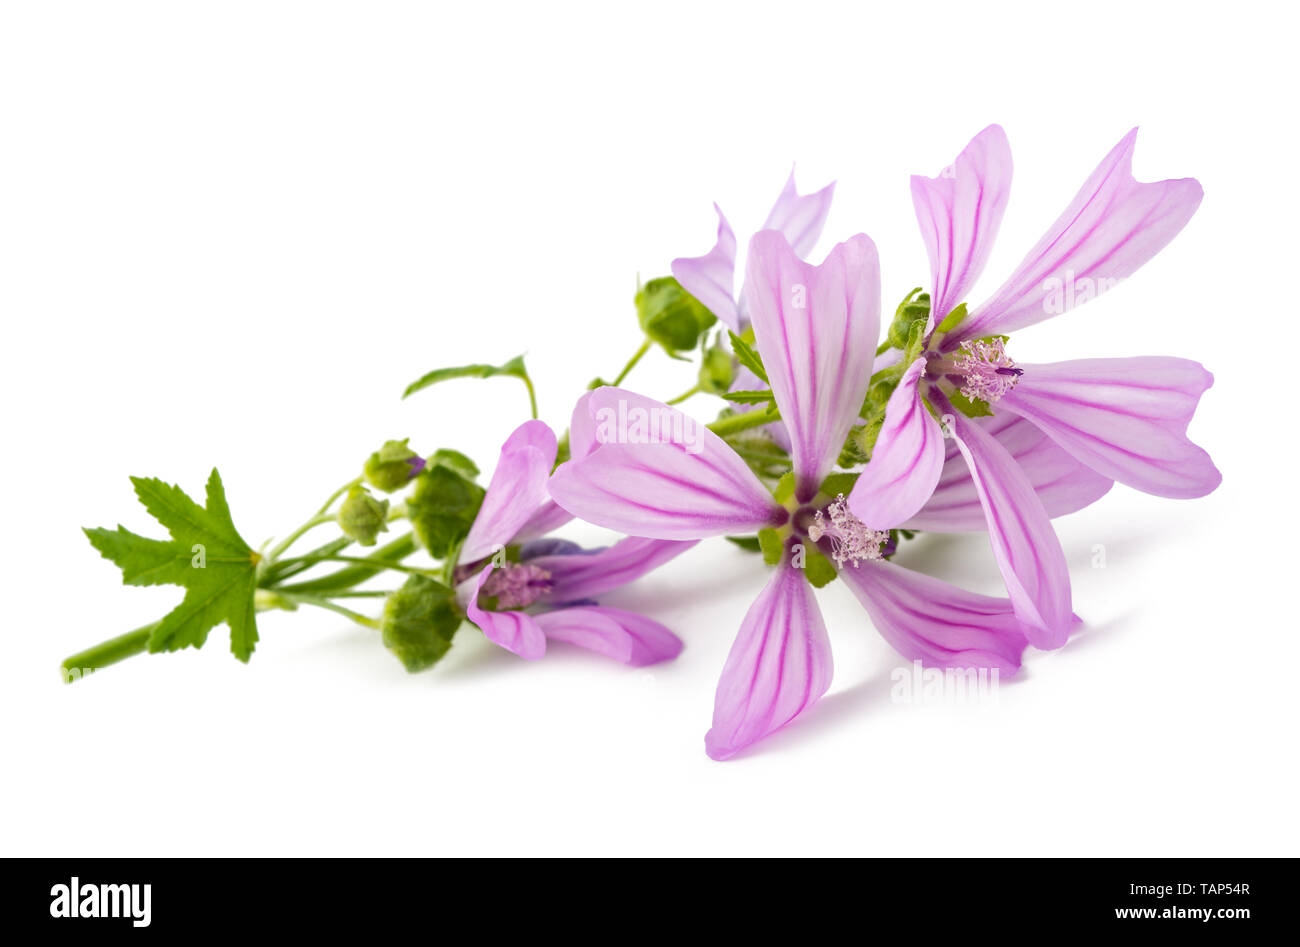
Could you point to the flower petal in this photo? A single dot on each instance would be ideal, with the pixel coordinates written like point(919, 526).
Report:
point(800, 217)
point(517, 490)
point(816, 328)
point(1024, 543)
point(928, 620)
point(545, 519)
point(1126, 418)
point(906, 461)
point(959, 213)
point(712, 278)
point(1113, 226)
point(659, 473)
point(581, 576)
point(779, 665)
point(513, 630)
point(622, 635)
point(1062, 483)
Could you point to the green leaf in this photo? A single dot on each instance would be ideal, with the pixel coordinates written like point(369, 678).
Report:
point(206, 556)
point(419, 621)
point(817, 567)
point(671, 316)
point(749, 397)
point(747, 543)
point(513, 369)
point(442, 508)
point(770, 542)
point(747, 356)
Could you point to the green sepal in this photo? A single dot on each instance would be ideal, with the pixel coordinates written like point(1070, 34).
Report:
point(671, 316)
point(952, 320)
point(419, 621)
point(785, 487)
point(362, 517)
point(771, 544)
point(442, 508)
point(456, 461)
point(839, 482)
point(747, 543)
point(747, 355)
point(971, 407)
point(817, 567)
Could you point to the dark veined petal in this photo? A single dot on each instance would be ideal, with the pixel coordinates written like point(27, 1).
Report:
point(779, 666)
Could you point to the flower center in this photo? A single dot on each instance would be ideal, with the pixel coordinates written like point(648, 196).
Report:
point(987, 371)
point(517, 585)
point(850, 539)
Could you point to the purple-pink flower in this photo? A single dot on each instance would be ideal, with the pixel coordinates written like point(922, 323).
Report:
point(816, 329)
point(1060, 434)
point(712, 278)
point(545, 591)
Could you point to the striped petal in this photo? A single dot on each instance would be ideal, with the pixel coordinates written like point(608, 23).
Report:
point(1026, 548)
point(586, 575)
point(659, 473)
point(516, 492)
point(1113, 226)
point(800, 217)
point(1062, 483)
point(960, 212)
point(1126, 418)
point(779, 665)
point(816, 328)
point(513, 630)
point(906, 460)
point(622, 635)
point(938, 624)
point(711, 278)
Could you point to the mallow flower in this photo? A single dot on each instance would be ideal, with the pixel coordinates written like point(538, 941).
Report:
point(711, 278)
point(645, 469)
point(521, 589)
point(1035, 440)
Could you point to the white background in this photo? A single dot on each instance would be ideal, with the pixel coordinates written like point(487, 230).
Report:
point(231, 233)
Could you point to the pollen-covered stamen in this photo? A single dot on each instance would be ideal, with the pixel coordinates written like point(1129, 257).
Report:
point(851, 540)
point(517, 585)
point(986, 369)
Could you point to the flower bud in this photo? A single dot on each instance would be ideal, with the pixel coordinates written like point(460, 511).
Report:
point(392, 466)
point(717, 370)
point(362, 517)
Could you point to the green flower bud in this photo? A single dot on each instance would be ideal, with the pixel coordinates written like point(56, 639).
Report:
point(392, 466)
point(419, 622)
point(671, 316)
point(362, 517)
point(717, 370)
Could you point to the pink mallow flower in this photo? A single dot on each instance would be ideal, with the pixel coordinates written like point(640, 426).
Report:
point(648, 470)
point(545, 589)
point(1059, 434)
